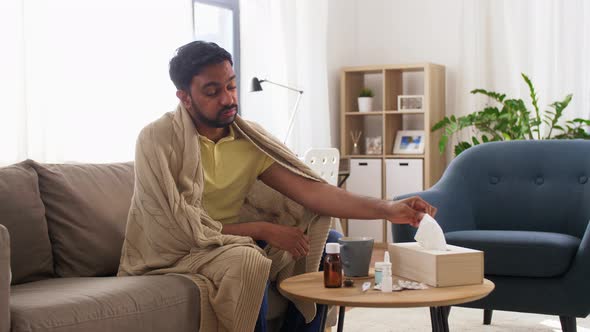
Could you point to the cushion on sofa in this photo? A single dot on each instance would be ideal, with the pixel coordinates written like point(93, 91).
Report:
point(520, 253)
point(146, 303)
point(86, 210)
point(23, 214)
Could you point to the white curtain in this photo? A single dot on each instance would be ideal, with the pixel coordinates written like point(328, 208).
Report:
point(285, 41)
point(12, 92)
point(549, 40)
point(81, 78)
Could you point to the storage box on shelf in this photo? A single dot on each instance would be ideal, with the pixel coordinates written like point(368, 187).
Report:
point(388, 82)
point(403, 176)
point(366, 186)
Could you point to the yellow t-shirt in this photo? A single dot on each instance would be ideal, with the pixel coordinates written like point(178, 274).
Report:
point(230, 166)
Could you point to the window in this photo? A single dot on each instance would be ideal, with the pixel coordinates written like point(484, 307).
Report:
point(218, 21)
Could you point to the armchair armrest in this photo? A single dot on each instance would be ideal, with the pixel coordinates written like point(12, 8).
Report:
point(579, 271)
point(4, 280)
point(454, 212)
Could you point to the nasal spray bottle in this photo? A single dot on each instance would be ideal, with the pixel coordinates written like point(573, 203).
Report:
point(386, 280)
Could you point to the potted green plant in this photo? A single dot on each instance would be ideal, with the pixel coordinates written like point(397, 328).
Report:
point(511, 120)
point(365, 100)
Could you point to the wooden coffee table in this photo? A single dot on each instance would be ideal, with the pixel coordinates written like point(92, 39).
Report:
point(310, 287)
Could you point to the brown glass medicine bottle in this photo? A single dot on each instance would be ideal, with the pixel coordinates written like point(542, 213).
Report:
point(332, 266)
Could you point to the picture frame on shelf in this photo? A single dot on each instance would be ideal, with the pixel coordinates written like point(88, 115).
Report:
point(409, 142)
point(373, 145)
point(410, 103)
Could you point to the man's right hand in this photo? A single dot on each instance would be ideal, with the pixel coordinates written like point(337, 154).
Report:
point(288, 238)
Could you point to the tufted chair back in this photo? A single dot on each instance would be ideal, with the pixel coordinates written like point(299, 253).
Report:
point(524, 185)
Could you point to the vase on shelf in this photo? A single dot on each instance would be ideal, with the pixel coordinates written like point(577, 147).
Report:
point(365, 104)
point(355, 135)
point(355, 148)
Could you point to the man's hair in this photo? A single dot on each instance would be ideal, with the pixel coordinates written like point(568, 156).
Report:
point(192, 58)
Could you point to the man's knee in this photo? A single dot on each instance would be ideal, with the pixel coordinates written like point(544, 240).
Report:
point(248, 260)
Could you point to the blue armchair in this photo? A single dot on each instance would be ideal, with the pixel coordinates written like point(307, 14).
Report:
point(526, 204)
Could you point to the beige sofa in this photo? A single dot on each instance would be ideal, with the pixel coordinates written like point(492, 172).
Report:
point(61, 231)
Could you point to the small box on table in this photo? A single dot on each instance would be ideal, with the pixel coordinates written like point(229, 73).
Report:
point(454, 267)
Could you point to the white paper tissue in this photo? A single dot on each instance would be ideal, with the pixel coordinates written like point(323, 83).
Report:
point(429, 235)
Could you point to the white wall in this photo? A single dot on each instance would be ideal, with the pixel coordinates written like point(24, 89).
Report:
point(365, 32)
point(342, 51)
point(482, 44)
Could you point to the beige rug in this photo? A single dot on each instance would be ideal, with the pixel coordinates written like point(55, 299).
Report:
point(461, 319)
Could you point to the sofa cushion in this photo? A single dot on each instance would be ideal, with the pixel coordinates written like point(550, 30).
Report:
point(23, 214)
point(146, 303)
point(520, 253)
point(86, 210)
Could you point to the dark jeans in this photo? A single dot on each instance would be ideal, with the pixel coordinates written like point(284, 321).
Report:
point(294, 320)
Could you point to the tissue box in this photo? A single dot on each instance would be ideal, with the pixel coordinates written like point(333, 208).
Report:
point(454, 267)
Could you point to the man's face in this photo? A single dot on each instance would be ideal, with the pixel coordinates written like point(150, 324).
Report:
point(213, 98)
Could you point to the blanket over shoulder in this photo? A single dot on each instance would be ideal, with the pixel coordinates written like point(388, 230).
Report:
point(169, 232)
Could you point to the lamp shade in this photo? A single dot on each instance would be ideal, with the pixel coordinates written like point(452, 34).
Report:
point(256, 84)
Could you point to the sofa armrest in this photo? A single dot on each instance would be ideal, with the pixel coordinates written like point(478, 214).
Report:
point(454, 212)
point(4, 280)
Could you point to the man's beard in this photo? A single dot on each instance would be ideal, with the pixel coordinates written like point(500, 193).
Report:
point(218, 122)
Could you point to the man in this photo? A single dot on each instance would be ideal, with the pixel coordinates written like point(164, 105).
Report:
point(195, 168)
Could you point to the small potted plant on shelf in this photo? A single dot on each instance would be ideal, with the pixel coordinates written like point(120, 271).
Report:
point(365, 100)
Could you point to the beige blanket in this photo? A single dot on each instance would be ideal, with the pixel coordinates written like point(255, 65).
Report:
point(168, 231)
